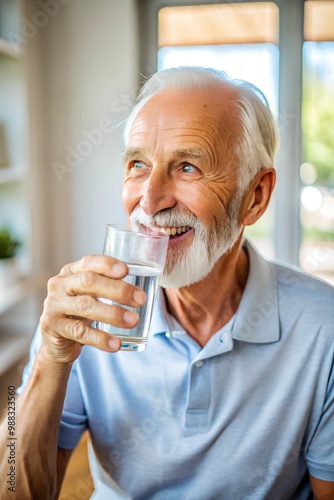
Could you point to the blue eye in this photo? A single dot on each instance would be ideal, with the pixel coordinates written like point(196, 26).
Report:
point(188, 168)
point(138, 164)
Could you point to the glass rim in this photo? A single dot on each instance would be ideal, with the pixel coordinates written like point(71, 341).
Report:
point(149, 233)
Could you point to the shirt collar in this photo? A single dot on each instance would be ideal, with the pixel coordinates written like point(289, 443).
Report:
point(256, 319)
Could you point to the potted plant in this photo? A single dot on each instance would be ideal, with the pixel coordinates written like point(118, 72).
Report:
point(9, 246)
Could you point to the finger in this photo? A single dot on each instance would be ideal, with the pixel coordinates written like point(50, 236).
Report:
point(90, 283)
point(101, 264)
point(90, 308)
point(79, 331)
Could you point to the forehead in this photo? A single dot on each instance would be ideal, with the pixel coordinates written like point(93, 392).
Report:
point(211, 114)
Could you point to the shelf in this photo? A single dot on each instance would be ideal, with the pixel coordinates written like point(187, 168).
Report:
point(23, 304)
point(10, 49)
point(19, 291)
point(19, 303)
point(12, 349)
point(11, 174)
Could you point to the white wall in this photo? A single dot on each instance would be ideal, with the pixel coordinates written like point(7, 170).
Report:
point(86, 77)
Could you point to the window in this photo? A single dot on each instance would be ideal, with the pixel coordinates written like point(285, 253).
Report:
point(317, 168)
point(241, 39)
point(263, 42)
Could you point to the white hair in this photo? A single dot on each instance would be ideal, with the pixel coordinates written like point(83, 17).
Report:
point(256, 148)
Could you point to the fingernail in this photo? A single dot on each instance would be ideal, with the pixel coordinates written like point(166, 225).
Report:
point(114, 343)
point(129, 317)
point(118, 268)
point(139, 296)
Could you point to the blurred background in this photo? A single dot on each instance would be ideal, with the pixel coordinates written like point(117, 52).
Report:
point(69, 73)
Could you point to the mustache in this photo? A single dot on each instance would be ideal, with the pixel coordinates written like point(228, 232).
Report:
point(166, 218)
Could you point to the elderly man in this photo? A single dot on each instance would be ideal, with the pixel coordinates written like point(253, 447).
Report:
point(233, 398)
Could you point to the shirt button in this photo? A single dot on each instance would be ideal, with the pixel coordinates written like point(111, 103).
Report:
point(198, 364)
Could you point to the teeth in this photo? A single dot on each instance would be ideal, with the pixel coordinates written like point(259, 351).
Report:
point(171, 231)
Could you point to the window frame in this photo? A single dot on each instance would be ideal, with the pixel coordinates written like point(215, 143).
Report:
point(287, 225)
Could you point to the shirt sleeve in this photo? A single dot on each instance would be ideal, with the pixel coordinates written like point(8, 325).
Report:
point(34, 346)
point(320, 454)
point(74, 419)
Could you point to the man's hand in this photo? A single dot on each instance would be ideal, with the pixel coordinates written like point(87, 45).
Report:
point(72, 305)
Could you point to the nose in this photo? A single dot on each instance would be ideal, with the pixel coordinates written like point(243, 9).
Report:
point(158, 193)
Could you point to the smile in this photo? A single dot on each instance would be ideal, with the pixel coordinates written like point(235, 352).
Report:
point(171, 231)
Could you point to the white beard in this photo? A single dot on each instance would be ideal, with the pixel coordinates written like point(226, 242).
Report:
point(192, 264)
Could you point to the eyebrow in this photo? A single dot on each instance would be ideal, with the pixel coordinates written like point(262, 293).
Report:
point(189, 153)
point(178, 153)
point(131, 153)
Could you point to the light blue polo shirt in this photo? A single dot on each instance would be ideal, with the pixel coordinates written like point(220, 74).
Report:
point(245, 417)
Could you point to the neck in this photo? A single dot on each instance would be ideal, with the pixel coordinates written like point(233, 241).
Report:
point(205, 307)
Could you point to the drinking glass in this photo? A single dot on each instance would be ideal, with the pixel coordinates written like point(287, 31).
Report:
point(145, 255)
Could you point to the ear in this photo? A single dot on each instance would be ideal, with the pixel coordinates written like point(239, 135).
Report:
point(257, 196)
